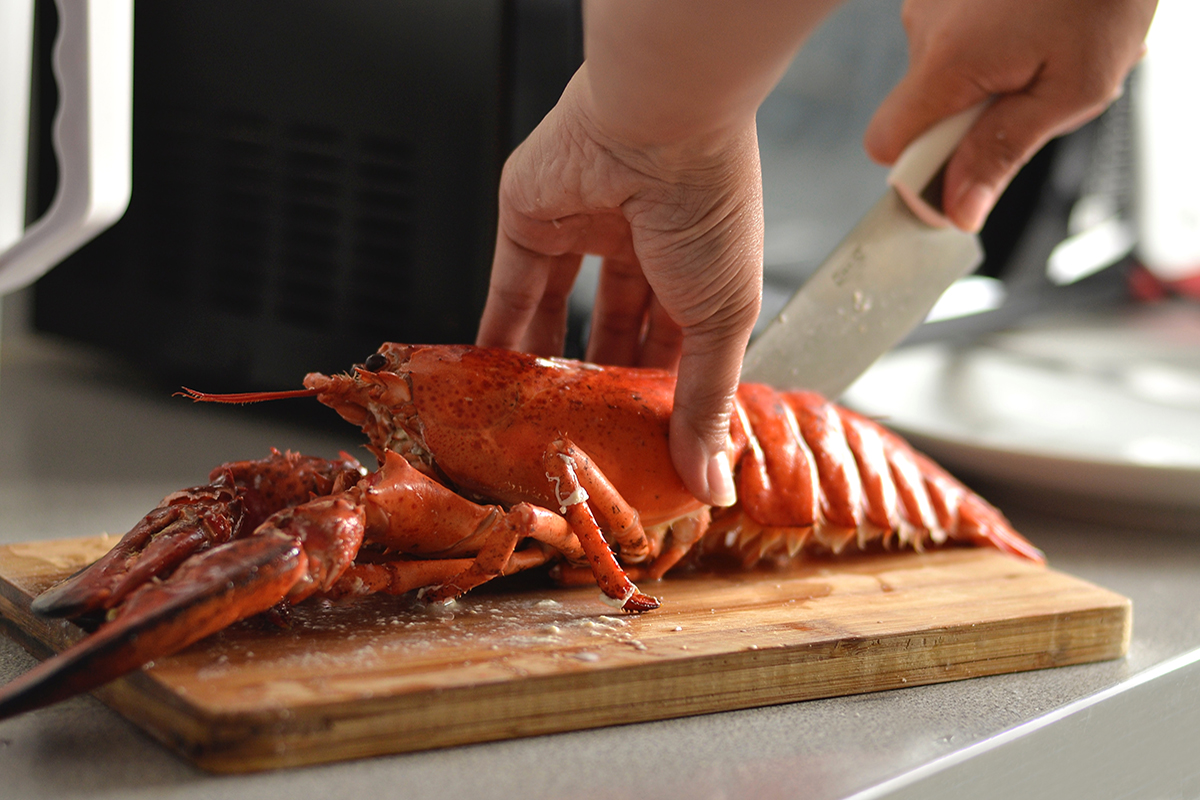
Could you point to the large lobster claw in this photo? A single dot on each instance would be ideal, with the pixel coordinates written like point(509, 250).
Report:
point(218, 587)
point(296, 552)
point(158, 544)
point(240, 497)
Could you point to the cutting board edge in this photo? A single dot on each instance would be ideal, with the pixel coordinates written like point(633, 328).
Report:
point(239, 743)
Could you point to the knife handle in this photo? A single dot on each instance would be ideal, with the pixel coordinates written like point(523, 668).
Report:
point(918, 174)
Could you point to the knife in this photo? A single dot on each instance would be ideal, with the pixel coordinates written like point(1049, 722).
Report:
point(879, 283)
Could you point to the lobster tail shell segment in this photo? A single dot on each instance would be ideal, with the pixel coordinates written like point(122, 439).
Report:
point(813, 475)
point(974, 519)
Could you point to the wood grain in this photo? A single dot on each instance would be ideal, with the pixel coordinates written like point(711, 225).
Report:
point(387, 675)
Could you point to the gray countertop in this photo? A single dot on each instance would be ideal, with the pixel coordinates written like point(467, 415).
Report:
point(85, 447)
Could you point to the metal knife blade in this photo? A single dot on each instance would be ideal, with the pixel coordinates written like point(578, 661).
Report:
point(878, 284)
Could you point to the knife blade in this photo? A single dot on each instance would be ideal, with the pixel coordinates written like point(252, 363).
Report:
point(878, 284)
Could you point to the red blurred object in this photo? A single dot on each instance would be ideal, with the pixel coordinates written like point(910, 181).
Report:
point(1146, 287)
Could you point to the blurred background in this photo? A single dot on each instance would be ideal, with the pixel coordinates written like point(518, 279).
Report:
point(313, 177)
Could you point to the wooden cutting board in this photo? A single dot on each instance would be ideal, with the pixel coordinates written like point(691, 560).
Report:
point(385, 675)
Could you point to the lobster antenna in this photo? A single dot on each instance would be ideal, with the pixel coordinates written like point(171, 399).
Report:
point(244, 397)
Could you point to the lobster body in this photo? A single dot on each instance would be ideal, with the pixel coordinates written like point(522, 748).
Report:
point(492, 462)
point(485, 418)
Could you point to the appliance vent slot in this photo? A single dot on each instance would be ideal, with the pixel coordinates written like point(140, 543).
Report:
point(313, 234)
point(382, 276)
point(302, 224)
point(175, 155)
point(242, 214)
point(305, 185)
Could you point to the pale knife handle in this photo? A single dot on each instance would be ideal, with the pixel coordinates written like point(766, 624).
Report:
point(917, 174)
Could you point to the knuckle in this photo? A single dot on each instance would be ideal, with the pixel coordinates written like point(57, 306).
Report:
point(618, 324)
point(517, 298)
point(534, 235)
point(1094, 87)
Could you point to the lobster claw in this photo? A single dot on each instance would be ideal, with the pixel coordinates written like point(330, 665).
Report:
point(296, 552)
point(240, 497)
point(186, 523)
point(207, 593)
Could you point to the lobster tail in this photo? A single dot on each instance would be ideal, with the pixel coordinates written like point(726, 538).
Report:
point(969, 517)
point(819, 477)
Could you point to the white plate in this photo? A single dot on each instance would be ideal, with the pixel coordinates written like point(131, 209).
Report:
point(1101, 405)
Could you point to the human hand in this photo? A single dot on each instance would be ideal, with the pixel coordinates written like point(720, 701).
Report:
point(1051, 66)
point(680, 231)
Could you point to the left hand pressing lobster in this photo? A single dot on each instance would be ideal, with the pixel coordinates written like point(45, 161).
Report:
point(492, 462)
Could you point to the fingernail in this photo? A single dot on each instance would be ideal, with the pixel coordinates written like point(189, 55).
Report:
point(720, 481)
point(973, 205)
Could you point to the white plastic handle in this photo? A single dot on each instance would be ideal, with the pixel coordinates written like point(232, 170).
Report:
point(16, 42)
point(93, 63)
point(914, 173)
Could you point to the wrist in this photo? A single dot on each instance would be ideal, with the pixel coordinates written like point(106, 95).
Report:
point(661, 145)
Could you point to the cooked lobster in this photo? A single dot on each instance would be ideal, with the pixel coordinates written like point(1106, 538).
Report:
point(491, 462)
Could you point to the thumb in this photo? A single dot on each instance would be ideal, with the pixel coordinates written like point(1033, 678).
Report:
point(709, 370)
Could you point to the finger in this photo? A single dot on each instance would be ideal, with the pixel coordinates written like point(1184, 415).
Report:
point(518, 281)
point(1003, 139)
point(534, 271)
point(546, 332)
point(619, 313)
point(663, 339)
point(699, 432)
point(916, 104)
point(710, 366)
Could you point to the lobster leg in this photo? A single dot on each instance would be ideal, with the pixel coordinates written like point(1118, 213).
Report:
point(403, 575)
point(575, 480)
point(684, 535)
point(452, 544)
point(497, 551)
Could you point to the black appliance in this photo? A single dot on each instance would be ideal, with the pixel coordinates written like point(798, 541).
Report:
point(311, 177)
